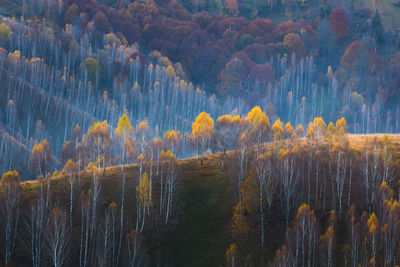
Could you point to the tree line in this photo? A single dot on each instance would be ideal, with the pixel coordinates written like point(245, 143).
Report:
point(344, 191)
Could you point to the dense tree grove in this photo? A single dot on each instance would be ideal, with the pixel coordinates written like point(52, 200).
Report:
point(86, 85)
point(76, 63)
point(319, 175)
point(329, 191)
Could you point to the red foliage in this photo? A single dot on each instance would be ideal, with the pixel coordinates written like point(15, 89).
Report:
point(293, 44)
point(260, 27)
point(204, 19)
point(176, 10)
point(233, 74)
point(257, 53)
point(374, 62)
point(102, 22)
point(339, 22)
point(203, 44)
point(262, 73)
point(288, 27)
point(355, 56)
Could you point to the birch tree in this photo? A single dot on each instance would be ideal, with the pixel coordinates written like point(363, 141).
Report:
point(289, 177)
point(58, 237)
point(123, 133)
point(37, 220)
point(134, 249)
point(202, 133)
point(10, 211)
point(143, 201)
point(266, 185)
point(70, 169)
point(259, 126)
point(171, 169)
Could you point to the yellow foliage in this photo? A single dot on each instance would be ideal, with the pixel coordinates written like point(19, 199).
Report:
point(317, 128)
point(143, 127)
point(203, 127)
point(130, 149)
point(5, 32)
point(167, 156)
point(136, 87)
point(99, 134)
point(330, 131)
point(373, 224)
point(15, 57)
point(289, 131)
point(140, 158)
point(300, 130)
point(143, 191)
point(124, 128)
point(250, 194)
point(310, 131)
point(341, 123)
point(303, 210)
point(172, 138)
point(170, 71)
point(240, 225)
point(95, 171)
point(113, 206)
point(329, 72)
point(277, 130)
point(328, 236)
point(227, 120)
point(69, 167)
point(89, 166)
point(231, 254)
point(10, 177)
point(258, 124)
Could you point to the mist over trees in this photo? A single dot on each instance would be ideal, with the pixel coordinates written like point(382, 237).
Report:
point(86, 67)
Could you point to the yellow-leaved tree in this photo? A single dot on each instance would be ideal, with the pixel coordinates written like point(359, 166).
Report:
point(173, 140)
point(41, 157)
point(289, 131)
point(97, 141)
point(259, 126)
point(70, 169)
point(277, 130)
point(124, 130)
point(171, 171)
point(373, 230)
point(144, 201)
point(202, 132)
point(232, 255)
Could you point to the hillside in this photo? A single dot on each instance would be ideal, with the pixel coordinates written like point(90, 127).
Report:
point(75, 63)
point(200, 231)
point(172, 133)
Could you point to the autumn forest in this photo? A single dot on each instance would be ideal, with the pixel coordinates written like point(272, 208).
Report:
point(200, 133)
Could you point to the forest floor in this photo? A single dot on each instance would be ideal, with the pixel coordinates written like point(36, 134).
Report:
point(201, 221)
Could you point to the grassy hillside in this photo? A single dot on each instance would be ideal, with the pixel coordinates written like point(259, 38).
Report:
point(200, 230)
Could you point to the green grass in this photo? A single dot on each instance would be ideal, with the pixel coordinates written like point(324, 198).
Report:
point(203, 231)
point(197, 234)
point(390, 15)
